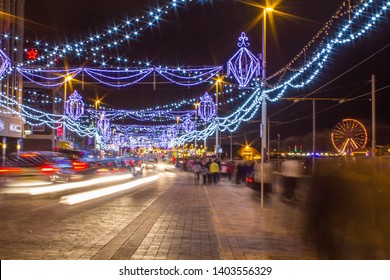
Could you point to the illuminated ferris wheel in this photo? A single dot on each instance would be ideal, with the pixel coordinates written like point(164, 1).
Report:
point(349, 135)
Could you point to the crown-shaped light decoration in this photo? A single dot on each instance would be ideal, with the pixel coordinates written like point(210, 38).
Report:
point(244, 64)
point(74, 106)
point(206, 108)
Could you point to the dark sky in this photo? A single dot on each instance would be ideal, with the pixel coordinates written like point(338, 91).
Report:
point(206, 34)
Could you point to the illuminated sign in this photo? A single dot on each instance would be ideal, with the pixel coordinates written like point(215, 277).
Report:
point(15, 127)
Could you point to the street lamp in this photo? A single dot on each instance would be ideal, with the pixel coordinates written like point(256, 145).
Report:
point(97, 102)
point(196, 121)
point(218, 81)
point(68, 78)
point(263, 128)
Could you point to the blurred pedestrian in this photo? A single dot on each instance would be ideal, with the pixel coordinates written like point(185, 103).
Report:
point(197, 169)
point(230, 169)
point(214, 171)
point(291, 171)
point(205, 172)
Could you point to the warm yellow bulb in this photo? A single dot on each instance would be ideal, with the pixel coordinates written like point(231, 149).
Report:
point(269, 9)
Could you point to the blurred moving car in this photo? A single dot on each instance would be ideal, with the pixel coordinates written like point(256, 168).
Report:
point(40, 168)
point(151, 163)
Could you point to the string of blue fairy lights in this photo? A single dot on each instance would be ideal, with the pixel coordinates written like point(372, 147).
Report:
point(365, 17)
point(119, 78)
point(119, 34)
point(311, 69)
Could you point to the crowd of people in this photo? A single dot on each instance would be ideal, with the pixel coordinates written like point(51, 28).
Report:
point(210, 170)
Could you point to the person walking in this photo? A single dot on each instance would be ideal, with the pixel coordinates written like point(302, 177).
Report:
point(230, 169)
point(292, 170)
point(197, 169)
point(214, 171)
point(205, 173)
point(209, 176)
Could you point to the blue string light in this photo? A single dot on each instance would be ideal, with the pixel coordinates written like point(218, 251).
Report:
point(305, 74)
point(111, 38)
point(120, 77)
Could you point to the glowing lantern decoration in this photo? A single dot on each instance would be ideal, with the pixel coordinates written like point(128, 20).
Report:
point(74, 106)
point(206, 108)
point(244, 64)
point(188, 125)
point(104, 124)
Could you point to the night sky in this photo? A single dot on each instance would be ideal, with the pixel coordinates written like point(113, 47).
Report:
point(206, 34)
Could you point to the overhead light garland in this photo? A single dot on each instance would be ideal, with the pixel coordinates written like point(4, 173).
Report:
point(160, 115)
point(92, 46)
point(120, 78)
point(362, 22)
point(305, 74)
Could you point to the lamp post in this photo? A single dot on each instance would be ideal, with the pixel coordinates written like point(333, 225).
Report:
point(231, 146)
point(218, 81)
point(97, 102)
point(67, 79)
point(263, 128)
point(196, 121)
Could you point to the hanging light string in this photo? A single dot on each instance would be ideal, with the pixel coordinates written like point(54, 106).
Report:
point(306, 74)
point(346, 35)
point(92, 46)
point(110, 39)
point(36, 117)
point(159, 115)
point(120, 78)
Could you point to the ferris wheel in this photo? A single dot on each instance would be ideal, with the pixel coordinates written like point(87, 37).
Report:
point(349, 135)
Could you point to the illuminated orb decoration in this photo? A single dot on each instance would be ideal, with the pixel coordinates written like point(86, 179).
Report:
point(5, 63)
point(74, 106)
point(188, 125)
point(206, 108)
point(244, 64)
point(349, 135)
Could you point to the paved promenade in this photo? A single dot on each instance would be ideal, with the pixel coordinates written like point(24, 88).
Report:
point(224, 221)
point(173, 218)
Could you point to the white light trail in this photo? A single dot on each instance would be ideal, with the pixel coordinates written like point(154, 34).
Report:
point(67, 186)
point(85, 196)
